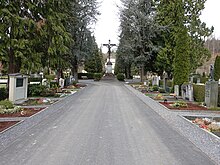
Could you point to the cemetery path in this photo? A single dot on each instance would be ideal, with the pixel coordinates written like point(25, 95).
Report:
point(106, 124)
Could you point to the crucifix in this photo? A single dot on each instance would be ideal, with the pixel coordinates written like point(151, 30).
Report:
point(109, 46)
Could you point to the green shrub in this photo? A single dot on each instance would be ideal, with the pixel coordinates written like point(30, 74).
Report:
point(97, 76)
point(6, 104)
point(169, 83)
point(54, 84)
point(50, 77)
point(33, 79)
point(199, 92)
point(35, 90)
point(88, 75)
point(48, 93)
point(161, 90)
point(203, 79)
point(218, 96)
point(120, 77)
point(10, 111)
point(160, 83)
point(217, 68)
point(3, 93)
point(155, 88)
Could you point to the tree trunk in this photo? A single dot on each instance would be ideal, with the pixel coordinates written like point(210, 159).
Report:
point(11, 67)
point(142, 73)
point(75, 69)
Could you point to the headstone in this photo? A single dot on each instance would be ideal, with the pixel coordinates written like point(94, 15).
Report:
point(18, 86)
point(211, 93)
point(176, 90)
point(155, 81)
point(198, 80)
point(165, 76)
point(190, 92)
point(61, 82)
point(187, 92)
point(44, 82)
point(191, 79)
point(67, 81)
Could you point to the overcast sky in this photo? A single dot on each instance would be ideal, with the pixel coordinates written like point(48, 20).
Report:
point(107, 26)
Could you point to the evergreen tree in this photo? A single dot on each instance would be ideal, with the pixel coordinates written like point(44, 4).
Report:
point(138, 32)
point(93, 62)
point(217, 68)
point(17, 30)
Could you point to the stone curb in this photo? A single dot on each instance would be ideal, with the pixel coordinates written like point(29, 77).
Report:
point(203, 140)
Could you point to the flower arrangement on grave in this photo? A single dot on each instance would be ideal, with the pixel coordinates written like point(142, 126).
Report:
point(207, 124)
point(159, 97)
point(179, 104)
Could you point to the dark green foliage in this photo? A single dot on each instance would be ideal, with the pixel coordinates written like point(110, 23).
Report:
point(41, 90)
point(120, 77)
point(161, 90)
point(33, 79)
point(97, 76)
point(217, 68)
point(35, 90)
point(155, 88)
point(218, 96)
point(6, 104)
point(3, 93)
point(161, 83)
point(203, 80)
point(169, 83)
point(93, 62)
point(199, 92)
point(181, 60)
point(54, 84)
point(48, 93)
point(88, 75)
point(50, 77)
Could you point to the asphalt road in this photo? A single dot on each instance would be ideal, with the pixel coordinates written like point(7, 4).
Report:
point(104, 125)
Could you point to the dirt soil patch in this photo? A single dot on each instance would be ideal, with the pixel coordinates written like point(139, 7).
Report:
point(25, 112)
point(6, 124)
point(190, 106)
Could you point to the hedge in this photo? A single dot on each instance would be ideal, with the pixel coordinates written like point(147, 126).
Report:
point(3, 93)
point(97, 76)
point(199, 92)
point(217, 68)
point(218, 96)
point(88, 75)
point(120, 76)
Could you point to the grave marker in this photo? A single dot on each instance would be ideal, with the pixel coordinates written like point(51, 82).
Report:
point(211, 93)
point(18, 86)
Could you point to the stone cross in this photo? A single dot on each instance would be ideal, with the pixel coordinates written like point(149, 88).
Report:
point(109, 46)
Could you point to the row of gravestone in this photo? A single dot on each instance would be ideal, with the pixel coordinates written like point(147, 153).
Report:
point(211, 93)
point(211, 90)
